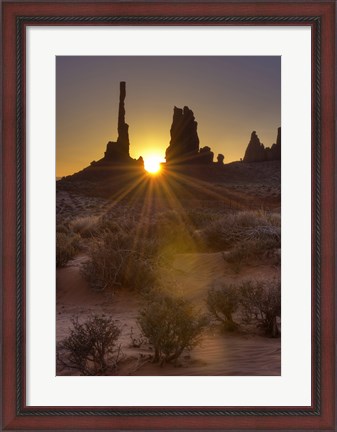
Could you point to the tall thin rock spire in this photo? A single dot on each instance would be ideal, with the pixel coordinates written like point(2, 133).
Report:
point(123, 128)
point(119, 151)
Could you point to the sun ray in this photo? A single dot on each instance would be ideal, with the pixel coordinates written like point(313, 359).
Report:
point(143, 228)
point(125, 191)
point(203, 188)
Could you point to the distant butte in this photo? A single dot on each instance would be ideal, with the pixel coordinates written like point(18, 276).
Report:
point(257, 152)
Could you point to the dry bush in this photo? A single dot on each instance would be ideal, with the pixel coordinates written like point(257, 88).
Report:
point(254, 251)
point(115, 259)
point(167, 230)
point(85, 226)
point(62, 228)
point(261, 303)
point(257, 303)
point(202, 218)
point(239, 227)
point(67, 246)
point(91, 348)
point(171, 231)
point(171, 325)
point(117, 223)
point(130, 253)
point(223, 301)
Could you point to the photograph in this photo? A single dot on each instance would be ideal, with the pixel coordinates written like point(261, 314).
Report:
point(168, 215)
point(167, 262)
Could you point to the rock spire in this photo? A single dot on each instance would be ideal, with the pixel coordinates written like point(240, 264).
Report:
point(119, 151)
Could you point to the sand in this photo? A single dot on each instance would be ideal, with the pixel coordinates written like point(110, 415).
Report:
point(220, 353)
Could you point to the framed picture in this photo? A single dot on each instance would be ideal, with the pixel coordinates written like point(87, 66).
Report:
point(168, 258)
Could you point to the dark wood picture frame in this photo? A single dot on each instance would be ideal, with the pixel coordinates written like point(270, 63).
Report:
point(321, 17)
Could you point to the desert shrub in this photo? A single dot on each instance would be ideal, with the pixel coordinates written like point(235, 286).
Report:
point(139, 273)
point(251, 251)
point(67, 245)
point(261, 303)
point(62, 228)
point(202, 218)
point(238, 227)
point(223, 301)
point(115, 259)
point(165, 232)
point(85, 226)
point(91, 347)
point(171, 325)
point(168, 230)
point(117, 223)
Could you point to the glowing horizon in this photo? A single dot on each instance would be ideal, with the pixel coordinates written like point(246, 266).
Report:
point(230, 97)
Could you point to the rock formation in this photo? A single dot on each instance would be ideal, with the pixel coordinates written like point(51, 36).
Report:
point(220, 158)
point(119, 151)
point(256, 152)
point(205, 155)
point(184, 144)
point(276, 148)
point(116, 163)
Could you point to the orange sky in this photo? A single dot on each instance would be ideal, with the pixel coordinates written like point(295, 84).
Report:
point(230, 97)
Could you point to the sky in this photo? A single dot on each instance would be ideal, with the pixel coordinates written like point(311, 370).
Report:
point(230, 97)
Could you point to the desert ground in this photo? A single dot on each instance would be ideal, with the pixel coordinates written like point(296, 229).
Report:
point(196, 255)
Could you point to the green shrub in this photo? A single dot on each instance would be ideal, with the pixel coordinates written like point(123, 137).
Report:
point(91, 348)
point(223, 302)
point(171, 325)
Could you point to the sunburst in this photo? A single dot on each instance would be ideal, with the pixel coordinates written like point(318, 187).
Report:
point(152, 164)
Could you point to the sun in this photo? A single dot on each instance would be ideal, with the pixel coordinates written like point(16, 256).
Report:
point(152, 164)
